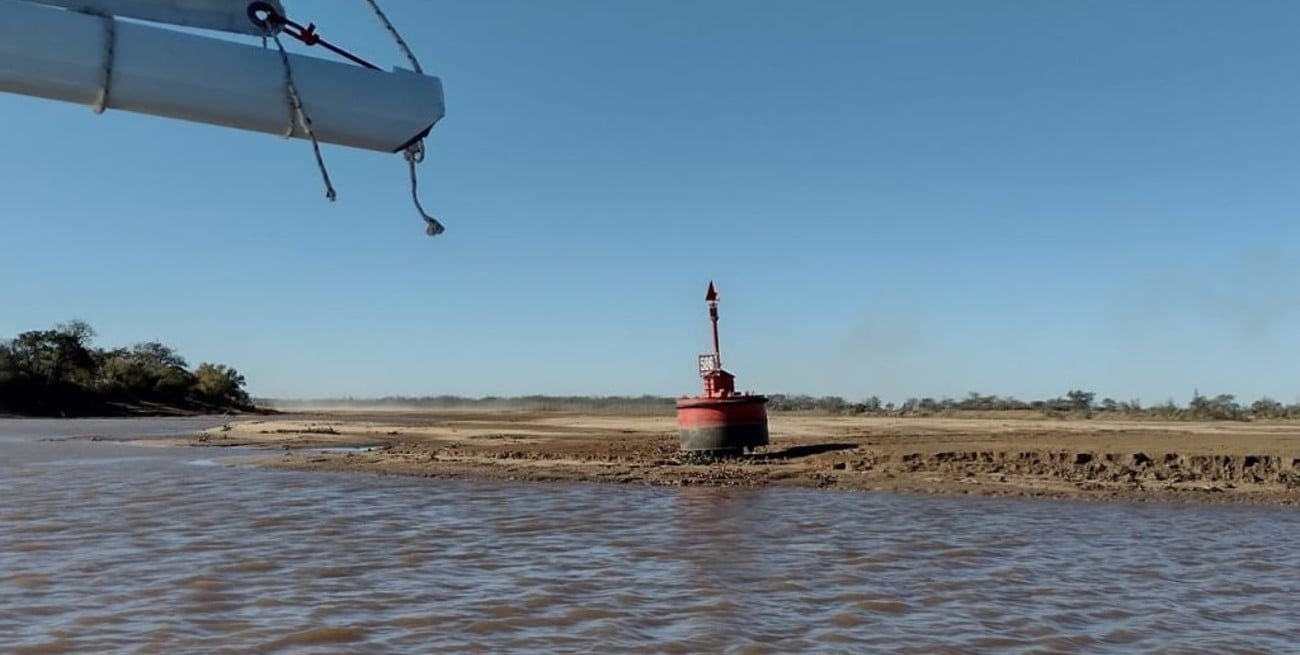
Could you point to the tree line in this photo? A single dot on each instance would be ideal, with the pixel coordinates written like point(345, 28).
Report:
point(1075, 403)
point(59, 372)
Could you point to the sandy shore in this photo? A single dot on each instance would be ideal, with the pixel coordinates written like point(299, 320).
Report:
point(1096, 459)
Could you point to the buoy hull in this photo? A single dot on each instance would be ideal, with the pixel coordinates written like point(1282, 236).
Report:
point(722, 425)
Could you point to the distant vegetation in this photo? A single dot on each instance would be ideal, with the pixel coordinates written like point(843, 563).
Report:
point(1074, 404)
point(58, 372)
point(606, 404)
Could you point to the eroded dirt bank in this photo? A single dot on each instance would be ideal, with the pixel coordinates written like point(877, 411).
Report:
point(1134, 460)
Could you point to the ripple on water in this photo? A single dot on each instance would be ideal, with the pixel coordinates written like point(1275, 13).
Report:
point(159, 556)
point(319, 637)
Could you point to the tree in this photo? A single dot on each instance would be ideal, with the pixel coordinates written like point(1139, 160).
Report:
point(220, 384)
point(8, 367)
point(1267, 408)
point(58, 371)
point(975, 400)
point(78, 330)
point(166, 371)
point(1224, 406)
point(53, 357)
point(1081, 400)
point(49, 371)
point(120, 373)
point(1168, 409)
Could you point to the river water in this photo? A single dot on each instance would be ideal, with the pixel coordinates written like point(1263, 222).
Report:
point(116, 548)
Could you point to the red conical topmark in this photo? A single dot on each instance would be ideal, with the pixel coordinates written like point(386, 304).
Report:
point(712, 295)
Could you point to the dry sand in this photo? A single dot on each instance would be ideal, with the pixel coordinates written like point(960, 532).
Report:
point(1077, 458)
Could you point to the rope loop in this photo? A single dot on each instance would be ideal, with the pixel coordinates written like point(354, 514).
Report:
point(414, 154)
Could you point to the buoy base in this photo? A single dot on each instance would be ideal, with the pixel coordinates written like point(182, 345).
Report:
point(722, 425)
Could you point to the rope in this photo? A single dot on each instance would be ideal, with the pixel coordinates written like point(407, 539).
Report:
point(415, 63)
point(414, 155)
point(298, 116)
point(110, 51)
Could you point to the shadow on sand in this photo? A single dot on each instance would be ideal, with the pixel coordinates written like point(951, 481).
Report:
point(810, 449)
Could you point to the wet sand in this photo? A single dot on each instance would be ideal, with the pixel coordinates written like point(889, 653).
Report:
point(1254, 462)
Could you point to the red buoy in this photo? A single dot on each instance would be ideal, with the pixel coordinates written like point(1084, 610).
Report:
point(720, 421)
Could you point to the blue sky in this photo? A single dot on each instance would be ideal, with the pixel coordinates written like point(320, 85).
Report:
point(899, 199)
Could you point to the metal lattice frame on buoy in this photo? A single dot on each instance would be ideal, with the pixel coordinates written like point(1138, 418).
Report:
point(77, 51)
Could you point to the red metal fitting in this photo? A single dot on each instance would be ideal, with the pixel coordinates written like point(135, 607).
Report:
point(308, 35)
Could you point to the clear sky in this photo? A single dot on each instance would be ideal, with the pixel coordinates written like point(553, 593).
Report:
point(895, 198)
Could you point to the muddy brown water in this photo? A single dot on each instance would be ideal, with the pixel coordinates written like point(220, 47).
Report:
point(108, 547)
